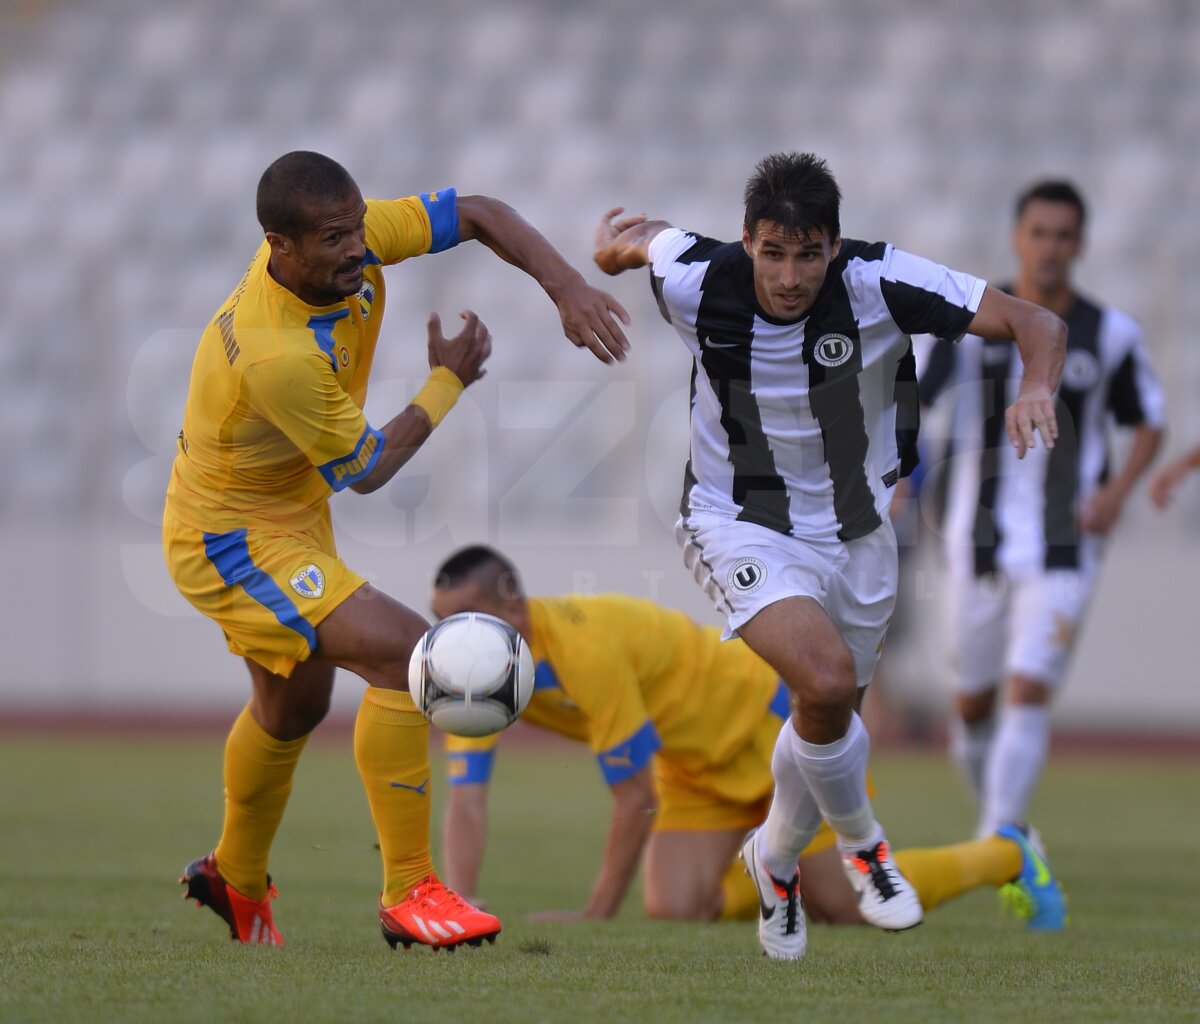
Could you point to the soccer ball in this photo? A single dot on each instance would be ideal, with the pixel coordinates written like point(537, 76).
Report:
point(471, 674)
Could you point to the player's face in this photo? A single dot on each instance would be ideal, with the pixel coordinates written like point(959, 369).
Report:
point(1047, 240)
point(789, 269)
point(325, 264)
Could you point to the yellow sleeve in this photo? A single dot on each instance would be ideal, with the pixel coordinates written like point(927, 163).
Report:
point(400, 228)
point(301, 396)
point(604, 686)
point(470, 758)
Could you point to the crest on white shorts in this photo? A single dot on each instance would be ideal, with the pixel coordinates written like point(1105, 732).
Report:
point(309, 582)
point(746, 575)
point(833, 349)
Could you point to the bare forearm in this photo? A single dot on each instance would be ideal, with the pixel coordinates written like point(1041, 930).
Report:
point(1146, 443)
point(627, 835)
point(498, 226)
point(403, 436)
point(1040, 335)
point(1041, 339)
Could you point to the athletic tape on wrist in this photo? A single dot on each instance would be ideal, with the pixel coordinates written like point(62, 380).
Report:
point(439, 393)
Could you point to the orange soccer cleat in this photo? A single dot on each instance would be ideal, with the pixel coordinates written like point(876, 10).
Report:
point(249, 920)
point(432, 915)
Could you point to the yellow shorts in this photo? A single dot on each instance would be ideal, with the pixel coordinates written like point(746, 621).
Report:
point(685, 805)
point(734, 795)
point(692, 808)
point(267, 590)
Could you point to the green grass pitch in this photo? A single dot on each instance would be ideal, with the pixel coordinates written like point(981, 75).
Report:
point(93, 833)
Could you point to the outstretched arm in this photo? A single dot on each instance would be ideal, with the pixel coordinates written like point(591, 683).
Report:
point(624, 244)
point(464, 832)
point(1041, 338)
point(591, 318)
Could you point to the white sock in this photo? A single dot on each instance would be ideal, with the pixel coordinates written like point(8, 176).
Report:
point(970, 743)
point(837, 775)
point(794, 816)
point(1014, 765)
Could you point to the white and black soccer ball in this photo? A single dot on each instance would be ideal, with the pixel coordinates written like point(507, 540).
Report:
point(471, 674)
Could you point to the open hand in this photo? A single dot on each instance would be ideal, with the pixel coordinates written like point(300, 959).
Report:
point(465, 353)
point(1033, 411)
point(609, 228)
point(592, 319)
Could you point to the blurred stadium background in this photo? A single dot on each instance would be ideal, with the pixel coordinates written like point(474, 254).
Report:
point(132, 135)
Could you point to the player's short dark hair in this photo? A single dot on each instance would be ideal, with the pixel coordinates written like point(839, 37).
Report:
point(483, 565)
point(1053, 190)
point(797, 191)
point(295, 182)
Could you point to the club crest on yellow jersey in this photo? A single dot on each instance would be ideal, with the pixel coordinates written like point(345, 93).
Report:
point(366, 296)
point(308, 582)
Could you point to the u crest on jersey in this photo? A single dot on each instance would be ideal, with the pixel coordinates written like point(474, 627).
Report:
point(833, 349)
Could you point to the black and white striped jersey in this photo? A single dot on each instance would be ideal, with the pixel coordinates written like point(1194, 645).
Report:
point(804, 426)
point(1020, 516)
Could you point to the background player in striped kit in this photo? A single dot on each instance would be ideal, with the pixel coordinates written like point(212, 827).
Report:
point(1024, 539)
point(804, 417)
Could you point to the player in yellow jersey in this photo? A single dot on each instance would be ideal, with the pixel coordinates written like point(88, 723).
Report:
point(272, 427)
point(684, 728)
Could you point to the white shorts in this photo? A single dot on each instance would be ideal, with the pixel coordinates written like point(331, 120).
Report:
point(1002, 626)
point(743, 568)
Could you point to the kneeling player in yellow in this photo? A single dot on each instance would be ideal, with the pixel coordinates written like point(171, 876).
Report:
point(273, 425)
point(684, 728)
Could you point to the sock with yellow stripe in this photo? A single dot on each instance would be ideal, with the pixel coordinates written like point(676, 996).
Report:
point(391, 748)
point(942, 872)
point(258, 782)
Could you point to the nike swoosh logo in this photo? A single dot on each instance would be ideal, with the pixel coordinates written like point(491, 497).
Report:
point(1042, 874)
point(419, 790)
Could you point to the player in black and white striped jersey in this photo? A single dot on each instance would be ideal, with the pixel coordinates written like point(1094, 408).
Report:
point(803, 418)
point(1024, 540)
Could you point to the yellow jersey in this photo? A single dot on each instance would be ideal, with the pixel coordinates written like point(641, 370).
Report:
point(635, 680)
point(274, 420)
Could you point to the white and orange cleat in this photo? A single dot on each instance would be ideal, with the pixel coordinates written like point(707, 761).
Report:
point(886, 898)
point(249, 920)
point(432, 915)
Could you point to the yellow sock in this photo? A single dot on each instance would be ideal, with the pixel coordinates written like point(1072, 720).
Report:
point(258, 781)
point(391, 747)
point(739, 898)
point(943, 872)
